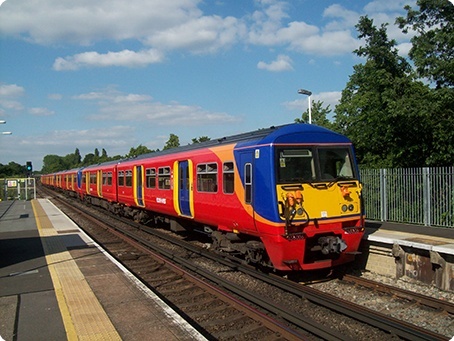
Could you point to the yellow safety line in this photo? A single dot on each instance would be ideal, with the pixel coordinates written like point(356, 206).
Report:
point(64, 310)
point(82, 314)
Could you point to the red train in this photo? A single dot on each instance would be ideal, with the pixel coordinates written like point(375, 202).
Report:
point(286, 197)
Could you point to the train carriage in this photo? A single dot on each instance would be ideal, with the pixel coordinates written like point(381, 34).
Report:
point(288, 197)
point(97, 184)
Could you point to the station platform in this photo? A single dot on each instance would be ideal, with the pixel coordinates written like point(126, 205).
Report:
point(415, 236)
point(420, 253)
point(58, 284)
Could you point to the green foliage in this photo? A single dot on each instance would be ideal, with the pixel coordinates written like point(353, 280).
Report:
point(374, 110)
point(433, 46)
point(134, 152)
point(173, 142)
point(12, 169)
point(393, 119)
point(200, 139)
point(319, 115)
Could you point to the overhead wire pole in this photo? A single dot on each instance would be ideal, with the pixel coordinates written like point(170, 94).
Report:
point(309, 94)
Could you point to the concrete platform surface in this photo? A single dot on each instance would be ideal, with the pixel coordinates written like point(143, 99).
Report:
point(56, 284)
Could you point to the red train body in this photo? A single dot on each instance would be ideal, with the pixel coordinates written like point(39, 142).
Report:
point(287, 197)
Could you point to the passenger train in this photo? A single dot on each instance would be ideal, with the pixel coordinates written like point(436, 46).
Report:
point(286, 197)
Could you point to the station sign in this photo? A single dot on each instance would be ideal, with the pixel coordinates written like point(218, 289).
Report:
point(12, 183)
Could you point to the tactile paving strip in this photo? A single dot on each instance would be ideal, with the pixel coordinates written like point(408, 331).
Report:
point(83, 315)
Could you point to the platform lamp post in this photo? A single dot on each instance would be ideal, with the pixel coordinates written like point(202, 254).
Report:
point(309, 94)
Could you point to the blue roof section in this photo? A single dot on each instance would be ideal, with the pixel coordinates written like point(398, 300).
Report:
point(289, 133)
point(297, 133)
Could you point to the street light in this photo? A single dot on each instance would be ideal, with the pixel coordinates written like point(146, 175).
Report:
point(6, 133)
point(309, 94)
point(2, 122)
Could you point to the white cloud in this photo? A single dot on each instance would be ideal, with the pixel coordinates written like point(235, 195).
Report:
point(116, 106)
point(404, 49)
point(125, 58)
point(166, 25)
point(328, 43)
point(85, 22)
point(40, 112)
point(201, 35)
point(9, 94)
point(11, 90)
point(387, 5)
point(299, 36)
point(282, 63)
point(160, 24)
point(347, 18)
point(55, 97)
point(115, 139)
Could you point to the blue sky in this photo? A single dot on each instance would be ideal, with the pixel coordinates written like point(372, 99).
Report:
point(115, 74)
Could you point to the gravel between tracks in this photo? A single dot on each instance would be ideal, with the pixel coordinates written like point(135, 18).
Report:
point(439, 322)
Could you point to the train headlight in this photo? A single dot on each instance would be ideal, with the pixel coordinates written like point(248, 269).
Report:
point(344, 208)
point(351, 207)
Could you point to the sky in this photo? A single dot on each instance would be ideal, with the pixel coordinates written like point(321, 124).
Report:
point(116, 74)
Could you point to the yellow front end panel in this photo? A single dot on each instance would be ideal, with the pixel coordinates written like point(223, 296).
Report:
point(320, 200)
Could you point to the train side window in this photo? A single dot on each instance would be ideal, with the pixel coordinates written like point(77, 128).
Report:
point(207, 175)
point(104, 178)
point(151, 177)
point(109, 178)
point(164, 177)
point(121, 178)
point(128, 178)
point(228, 178)
point(248, 183)
point(93, 178)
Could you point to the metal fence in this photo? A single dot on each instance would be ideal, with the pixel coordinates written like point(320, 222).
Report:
point(422, 196)
point(17, 189)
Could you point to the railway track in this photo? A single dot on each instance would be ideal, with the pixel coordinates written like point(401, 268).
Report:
point(442, 306)
point(206, 306)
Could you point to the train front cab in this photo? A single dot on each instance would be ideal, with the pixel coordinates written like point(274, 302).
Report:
point(317, 212)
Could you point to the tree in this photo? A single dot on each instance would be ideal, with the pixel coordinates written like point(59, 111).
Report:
point(319, 115)
point(173, 142)
point(53, 163)
point(134, 152)
point(433, 55)
point(12, 169)
point(433, 45)
point(200, 139)
point(89, 159)
point(383, 109)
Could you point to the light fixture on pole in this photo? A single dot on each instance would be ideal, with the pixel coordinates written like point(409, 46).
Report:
point(2, 122)
point(6, 133)
point(309, 94)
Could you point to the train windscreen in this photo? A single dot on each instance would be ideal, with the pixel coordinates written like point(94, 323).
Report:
point(309, 164)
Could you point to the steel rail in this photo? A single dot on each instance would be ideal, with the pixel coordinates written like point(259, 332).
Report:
point(402, 293)
point(165, 255)
point(392, 325)
point(384, 322)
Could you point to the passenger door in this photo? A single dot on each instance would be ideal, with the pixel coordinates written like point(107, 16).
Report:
point(246, 169)
point(185, 187)
point(138, 186)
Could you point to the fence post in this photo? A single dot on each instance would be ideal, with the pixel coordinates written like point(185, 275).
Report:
point(426, 196)
point(383, 196)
